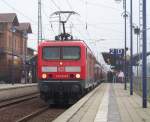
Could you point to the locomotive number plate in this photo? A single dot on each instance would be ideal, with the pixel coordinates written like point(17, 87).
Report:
point(61, 76)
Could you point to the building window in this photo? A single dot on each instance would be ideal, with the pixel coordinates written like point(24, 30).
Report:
point(15, 43)
point(1, 39)
point(10, 42)
point(1, 27)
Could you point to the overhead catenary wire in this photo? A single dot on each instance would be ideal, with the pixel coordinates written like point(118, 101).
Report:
point(86, 23)
point(100, 5)
point(34, 23)
point(22, 14)
point(88, 34)
point(82, 32)
point(70, 6)
point(56, 5)
point(18, 11)
point(59, 10)
point(96, 24)
point(49, 26)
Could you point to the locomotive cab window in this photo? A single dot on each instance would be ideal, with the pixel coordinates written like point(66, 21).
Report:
point(71, 53)
point(51, 53)
point(63, 53)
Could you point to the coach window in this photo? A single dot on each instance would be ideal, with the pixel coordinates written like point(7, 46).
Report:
point(51, 53)
point(71, 53)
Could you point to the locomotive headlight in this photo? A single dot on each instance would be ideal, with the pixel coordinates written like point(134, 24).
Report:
point(44, 76)
point(77, 75)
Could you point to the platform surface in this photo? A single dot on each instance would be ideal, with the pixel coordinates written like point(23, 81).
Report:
point(111, 103)
point(130, 107)
point(121, 107)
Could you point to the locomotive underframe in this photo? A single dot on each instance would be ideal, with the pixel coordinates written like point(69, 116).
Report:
point(61, 91)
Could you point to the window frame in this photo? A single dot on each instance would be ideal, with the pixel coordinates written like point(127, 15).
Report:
point(61, 52)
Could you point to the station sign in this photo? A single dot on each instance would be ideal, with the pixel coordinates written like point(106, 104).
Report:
point(115, 51)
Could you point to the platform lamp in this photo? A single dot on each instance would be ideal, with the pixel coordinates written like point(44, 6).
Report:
point(137, 32)
point(13, 30)
point(125, 15)
point(131, 46)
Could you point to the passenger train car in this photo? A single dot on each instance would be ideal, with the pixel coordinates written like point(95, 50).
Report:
point(66, 70)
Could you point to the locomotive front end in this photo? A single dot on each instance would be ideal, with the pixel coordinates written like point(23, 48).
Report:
point(60, 71)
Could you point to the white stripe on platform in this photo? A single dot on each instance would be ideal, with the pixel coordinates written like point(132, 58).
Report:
point(102, 114)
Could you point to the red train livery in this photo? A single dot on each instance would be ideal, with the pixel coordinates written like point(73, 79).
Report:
point(66, 70)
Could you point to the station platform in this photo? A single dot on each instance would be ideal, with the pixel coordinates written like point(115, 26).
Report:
point(8, 91)
point(16, 85)
point(107, 103)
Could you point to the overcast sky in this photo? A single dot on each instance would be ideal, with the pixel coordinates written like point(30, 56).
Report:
point(105, 24)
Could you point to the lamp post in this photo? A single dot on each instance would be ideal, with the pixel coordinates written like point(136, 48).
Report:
point(39, 23)
point(131, 46)
point(13, 30)
point(144, 55)
point(125, 15)
point(131, 50)
point(125, 43)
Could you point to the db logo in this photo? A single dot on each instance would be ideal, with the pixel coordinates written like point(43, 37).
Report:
point(61, 69)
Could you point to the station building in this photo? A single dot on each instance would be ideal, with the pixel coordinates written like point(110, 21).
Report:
point(13, 46)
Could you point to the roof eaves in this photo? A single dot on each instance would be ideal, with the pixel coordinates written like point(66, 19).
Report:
point(9, 18)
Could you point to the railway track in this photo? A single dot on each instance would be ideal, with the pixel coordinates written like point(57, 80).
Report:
point(32, 115)
point(12, 101)
point(10, 112)
point(29, 109)
point(45, 115)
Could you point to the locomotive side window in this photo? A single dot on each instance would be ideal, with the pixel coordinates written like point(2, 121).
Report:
point(71, 53)
point(51, 53)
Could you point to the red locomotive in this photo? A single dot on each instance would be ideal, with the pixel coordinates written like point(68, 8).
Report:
point(66, 70)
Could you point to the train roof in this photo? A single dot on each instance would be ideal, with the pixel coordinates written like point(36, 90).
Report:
point(64, 42)
point(61, 43)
